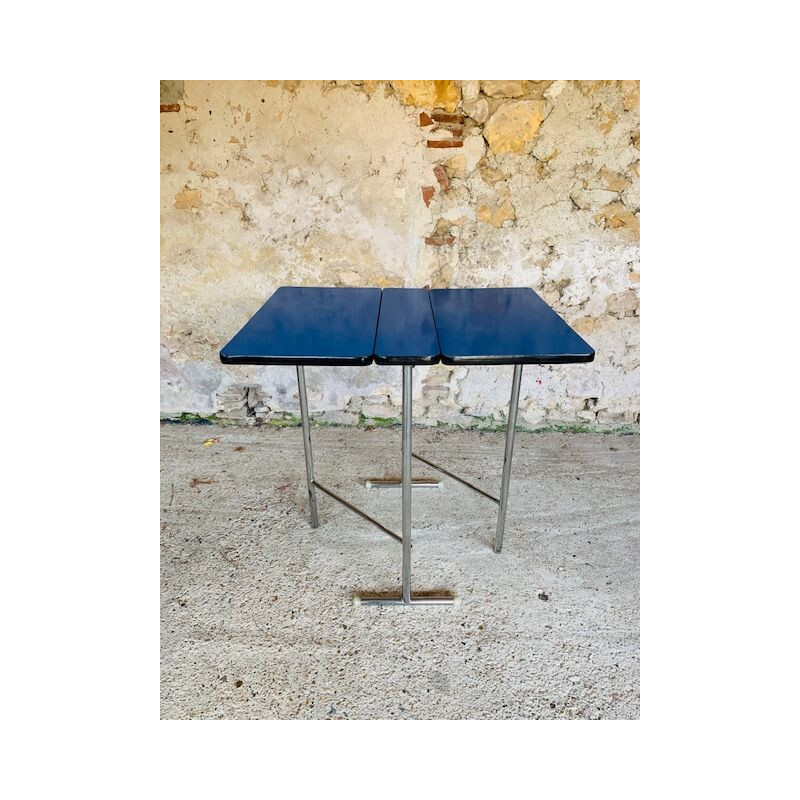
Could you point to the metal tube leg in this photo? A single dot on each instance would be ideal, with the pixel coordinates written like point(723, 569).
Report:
point(312, 492)
point(407, 484)
point(405, 599)
point(510, 430)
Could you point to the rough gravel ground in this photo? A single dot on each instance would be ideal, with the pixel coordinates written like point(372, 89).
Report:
point(257, 614)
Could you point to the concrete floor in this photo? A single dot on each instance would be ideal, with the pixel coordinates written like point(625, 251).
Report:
point(257, 615)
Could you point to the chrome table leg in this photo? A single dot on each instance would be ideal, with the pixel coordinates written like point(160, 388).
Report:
point(510, 430)
point(312, 493)
point(406, 449)
point(422, 599)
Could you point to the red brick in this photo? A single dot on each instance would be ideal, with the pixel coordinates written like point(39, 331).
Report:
point(440, 116)
point(440, 240)
point(441, 175)
point(457, 131)
point(427, 194)
point(424, 120)
point(445, 143)
point(170, 107)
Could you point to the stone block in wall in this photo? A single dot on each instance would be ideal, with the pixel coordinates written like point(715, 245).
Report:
point(429, 94)
point(503, 88)
point(437, 414)
point(380, 411)
point(514, 125)
point(530, 416)
point(624, 304)
point(232, 403)
point(336, 418)
point(477, 110)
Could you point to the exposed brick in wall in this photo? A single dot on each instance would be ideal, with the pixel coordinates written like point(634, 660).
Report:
point(441, 176)
point(445, 143)
point(440, 240)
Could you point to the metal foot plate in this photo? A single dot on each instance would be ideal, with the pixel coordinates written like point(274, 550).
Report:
point(422, 599)
point(396, 483)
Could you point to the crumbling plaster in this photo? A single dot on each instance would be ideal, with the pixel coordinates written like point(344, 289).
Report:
point(368, 183)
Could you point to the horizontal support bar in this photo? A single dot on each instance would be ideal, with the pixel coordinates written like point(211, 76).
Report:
point(358, 511)
point(456, 478)
point(397, 600)
point(396, 483)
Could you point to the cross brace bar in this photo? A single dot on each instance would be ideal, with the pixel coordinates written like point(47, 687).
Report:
point(456, 478)
point(358, 511)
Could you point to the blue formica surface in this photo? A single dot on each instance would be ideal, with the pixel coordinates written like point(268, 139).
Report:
point(503, 326)
point(351, 327)
point(309, 326)
point(406, 330)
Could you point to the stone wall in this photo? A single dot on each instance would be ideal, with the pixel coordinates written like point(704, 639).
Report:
point(400, 183)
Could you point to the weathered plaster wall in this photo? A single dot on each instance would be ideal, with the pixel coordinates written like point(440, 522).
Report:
point(400, 183)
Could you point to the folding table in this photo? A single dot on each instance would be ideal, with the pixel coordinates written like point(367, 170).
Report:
point(308, 326)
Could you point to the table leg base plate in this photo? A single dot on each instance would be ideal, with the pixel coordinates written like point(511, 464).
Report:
point(441, 599)
point(397, 483)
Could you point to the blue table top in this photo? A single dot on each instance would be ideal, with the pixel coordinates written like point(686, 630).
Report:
point(351, 327)
point(311, 326)
point(406, 330)
point(503, 326)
